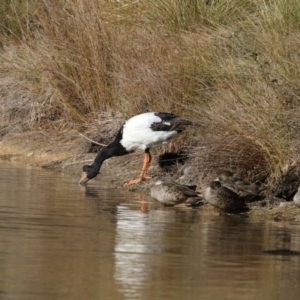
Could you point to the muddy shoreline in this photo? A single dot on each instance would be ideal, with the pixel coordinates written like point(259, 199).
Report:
point(66, 153)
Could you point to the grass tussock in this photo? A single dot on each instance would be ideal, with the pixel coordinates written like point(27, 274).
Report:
point(231, 66)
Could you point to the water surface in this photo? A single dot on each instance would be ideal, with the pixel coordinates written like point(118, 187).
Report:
point(59, 241)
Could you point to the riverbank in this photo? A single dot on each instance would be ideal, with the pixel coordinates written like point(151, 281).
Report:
point(67, 152)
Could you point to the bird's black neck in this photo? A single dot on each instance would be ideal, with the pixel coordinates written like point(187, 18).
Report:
point(100, 158)
point(115, 148)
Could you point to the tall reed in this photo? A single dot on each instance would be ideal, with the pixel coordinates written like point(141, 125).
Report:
point(232, 66)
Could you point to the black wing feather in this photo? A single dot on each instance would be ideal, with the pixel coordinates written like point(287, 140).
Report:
point(169, 122)
point(166, 116)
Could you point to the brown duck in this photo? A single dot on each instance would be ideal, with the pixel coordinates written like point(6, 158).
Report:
point(171, 193)
point(223, 198)
point(241, 186)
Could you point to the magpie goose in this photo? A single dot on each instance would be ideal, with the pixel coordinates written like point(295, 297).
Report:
point(143, 131)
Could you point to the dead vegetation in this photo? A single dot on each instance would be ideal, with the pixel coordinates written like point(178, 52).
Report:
point(230, 66)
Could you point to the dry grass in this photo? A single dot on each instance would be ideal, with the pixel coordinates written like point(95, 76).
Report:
point(232, 66)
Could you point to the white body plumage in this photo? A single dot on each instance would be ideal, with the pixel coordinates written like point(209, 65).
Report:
point(138, 134)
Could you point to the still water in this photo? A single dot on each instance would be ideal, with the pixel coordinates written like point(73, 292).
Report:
point(59, 241)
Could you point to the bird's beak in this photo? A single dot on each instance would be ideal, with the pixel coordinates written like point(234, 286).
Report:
point(83, 178)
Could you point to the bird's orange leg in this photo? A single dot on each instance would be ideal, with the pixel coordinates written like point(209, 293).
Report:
point(143, 176)
point(147, 162)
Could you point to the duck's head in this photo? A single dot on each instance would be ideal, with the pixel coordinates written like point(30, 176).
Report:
point(224, 175)
point(88, 172)
point(215, 185)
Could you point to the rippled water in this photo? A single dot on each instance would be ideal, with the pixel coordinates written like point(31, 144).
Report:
point(59, 241)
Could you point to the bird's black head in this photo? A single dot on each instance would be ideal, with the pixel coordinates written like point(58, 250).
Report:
point(88, 172)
